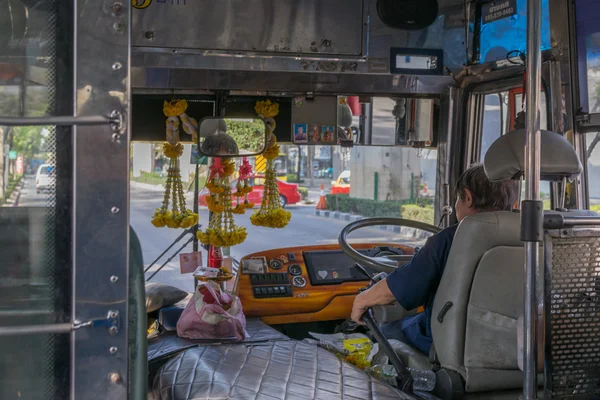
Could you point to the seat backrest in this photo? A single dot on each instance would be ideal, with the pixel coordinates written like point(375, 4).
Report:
point(483, 282)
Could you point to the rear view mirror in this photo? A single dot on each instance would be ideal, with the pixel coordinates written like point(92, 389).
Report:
point(231, 137)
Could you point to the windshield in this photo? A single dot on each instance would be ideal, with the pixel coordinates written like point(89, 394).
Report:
point(386, 182)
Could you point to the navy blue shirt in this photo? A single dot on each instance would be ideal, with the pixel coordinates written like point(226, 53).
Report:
point(415, 284)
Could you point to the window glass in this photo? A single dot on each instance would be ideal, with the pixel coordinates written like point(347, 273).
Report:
point(543, 108)
point(588, 47)
point(492, 121)
point(364, 180)
point(502, 36)
point(593, 169)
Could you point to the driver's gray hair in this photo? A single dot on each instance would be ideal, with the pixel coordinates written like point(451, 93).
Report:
point(487, 195)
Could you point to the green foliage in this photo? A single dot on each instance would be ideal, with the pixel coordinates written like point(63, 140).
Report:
point(422, 211)
point(303, 192)
point(596, 208)
point(292, 178)
point(418, 213)
point(248, 135)
point(12, 184)
point(27, 141)
point(364, 207)
point(150, 178)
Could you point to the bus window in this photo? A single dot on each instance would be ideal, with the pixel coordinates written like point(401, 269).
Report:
point(380, 181)
point(593, 169)
point(588, 46)
point(492, 121)
point(502, 36)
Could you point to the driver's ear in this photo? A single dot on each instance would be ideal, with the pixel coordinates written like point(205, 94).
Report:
point(468, 198)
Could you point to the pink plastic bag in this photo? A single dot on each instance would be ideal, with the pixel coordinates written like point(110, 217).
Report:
point(212, 314)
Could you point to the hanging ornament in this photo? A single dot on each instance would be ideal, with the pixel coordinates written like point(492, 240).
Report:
point(221, 231)
point(178, 216)
point(270, 214)
point(243, 188)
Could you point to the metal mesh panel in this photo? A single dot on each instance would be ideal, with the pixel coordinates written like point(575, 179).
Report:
point(574, 318)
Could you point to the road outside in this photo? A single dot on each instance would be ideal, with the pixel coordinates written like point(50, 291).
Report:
point(304, 229)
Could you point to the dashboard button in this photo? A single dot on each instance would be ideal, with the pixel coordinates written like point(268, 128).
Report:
point(291, 257)
point(270, 290)
point(295, 270)
point(276, 290)
point(283, 290)
point(256, 291)
point(263, 291)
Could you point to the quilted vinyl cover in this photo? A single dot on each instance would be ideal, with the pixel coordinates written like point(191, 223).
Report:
point(289, 370)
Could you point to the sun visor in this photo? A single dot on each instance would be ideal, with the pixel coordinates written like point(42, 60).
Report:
point(505, 158)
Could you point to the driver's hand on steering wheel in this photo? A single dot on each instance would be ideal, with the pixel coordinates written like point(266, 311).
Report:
point(378, 294)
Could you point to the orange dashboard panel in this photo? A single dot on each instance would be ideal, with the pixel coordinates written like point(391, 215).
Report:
point(302, 284)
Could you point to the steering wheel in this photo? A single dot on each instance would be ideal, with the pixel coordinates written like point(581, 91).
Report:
point(381, 264)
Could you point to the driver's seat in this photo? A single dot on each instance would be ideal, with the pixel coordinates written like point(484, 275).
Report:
point(479, 301)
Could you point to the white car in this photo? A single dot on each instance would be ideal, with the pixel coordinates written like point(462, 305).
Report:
point(43, 177)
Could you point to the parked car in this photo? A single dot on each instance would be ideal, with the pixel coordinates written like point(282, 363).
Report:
point(288, 192)
point(342, 184)
point(43, 177)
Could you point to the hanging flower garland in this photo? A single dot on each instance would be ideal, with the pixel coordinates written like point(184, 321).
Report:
point(270, 214)
point(221, 231)
point(243, 188)
point(178, 216)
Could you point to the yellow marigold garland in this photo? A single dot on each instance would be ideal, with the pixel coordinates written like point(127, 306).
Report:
point(270, 214)
point(179, 216)
point(221, 231)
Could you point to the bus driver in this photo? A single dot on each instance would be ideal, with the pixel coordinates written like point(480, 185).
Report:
point(416, 283)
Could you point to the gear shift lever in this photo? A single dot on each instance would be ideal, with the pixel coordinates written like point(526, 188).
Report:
point(405, 379)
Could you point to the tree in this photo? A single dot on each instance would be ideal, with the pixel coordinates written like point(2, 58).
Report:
point(27, 141)
point(249, 136)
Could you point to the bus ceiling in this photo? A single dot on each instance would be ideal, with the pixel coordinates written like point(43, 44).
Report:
point(333, 47)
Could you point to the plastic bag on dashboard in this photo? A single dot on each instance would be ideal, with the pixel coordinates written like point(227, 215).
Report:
point(212, 314)
point(355, 348)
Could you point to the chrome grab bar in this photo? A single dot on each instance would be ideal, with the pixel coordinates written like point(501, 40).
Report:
point(116, 120)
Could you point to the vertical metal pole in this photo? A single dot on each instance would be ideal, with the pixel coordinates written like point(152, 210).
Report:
point(376, 186)
point(532, 215)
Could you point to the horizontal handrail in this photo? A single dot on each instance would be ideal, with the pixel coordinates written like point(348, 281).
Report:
point(115, 119)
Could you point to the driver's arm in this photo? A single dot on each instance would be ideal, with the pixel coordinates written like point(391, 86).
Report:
point(410, 285)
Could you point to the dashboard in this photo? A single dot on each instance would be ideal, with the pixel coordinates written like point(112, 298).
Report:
point(304, 284)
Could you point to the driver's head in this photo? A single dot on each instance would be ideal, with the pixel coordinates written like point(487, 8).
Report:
point(475, 193)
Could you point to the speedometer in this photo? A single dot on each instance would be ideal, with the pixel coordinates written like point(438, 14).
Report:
point(299, 281)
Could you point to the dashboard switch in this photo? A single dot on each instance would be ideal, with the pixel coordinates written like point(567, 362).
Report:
point(268, 292)
point(291, 257)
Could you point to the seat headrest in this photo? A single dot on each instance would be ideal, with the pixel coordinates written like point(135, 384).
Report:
point(505, 158)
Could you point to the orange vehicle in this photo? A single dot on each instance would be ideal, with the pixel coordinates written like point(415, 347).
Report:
point(342, 184)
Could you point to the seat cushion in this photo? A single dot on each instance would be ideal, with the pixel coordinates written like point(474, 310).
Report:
point(288, 370)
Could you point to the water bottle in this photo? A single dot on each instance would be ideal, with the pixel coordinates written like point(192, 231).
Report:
point(385, 372)
point(423, 380)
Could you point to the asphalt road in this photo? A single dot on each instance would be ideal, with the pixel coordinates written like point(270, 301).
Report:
point(29, 197)
point(304, 229)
